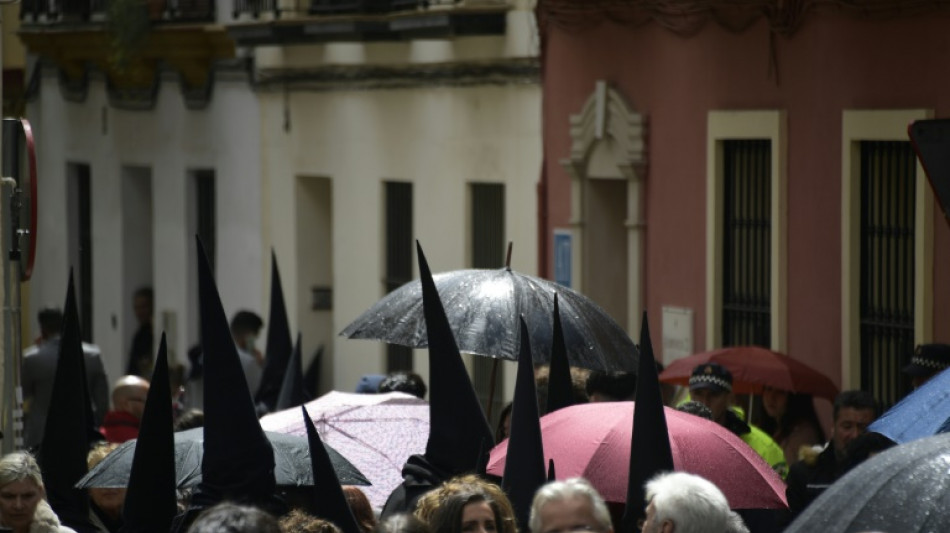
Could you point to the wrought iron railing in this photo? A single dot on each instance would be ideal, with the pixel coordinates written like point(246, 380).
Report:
point(888, 208)
point(53, 11)
point(747, 243)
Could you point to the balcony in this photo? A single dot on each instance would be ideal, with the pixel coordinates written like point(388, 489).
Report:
point(93, 11)
point(319, 21)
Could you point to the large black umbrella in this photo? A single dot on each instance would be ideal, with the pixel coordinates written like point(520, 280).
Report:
point(483, 307)
point(291, 454)
point(905, 488)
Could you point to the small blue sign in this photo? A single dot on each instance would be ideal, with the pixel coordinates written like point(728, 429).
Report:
point(562, 256)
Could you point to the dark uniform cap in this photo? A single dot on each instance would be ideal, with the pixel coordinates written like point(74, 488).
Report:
point(711, 376)
point(928, 359)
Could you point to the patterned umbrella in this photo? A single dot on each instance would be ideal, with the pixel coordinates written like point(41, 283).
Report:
point(376, 432)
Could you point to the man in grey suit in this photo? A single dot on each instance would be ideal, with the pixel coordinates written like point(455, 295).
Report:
point(39, 370)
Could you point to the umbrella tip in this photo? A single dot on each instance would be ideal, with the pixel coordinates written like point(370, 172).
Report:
point(508, 257)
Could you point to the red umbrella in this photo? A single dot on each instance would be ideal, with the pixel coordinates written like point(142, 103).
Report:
point(593, 441)
point(754, 367)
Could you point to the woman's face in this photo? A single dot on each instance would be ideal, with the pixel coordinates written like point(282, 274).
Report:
point(109, 500)
point(478, 517)
point(774, 401)
point(18, 502)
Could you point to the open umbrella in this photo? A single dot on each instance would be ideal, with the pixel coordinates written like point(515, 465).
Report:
point(922, 413)
point(377, 432)
point(483, 307)
point(593, 441)
point(291, 454)
point(754, 367)
point(905, 489)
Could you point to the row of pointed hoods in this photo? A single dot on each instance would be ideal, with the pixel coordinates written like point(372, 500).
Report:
point(459, 440)
point(238, 463)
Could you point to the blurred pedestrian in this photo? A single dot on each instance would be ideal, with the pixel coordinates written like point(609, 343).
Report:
point(141, 354)
point(853, 411)
point(362, 510)
point(569, 505)
point(711, 384)
point(105, 506)
point(404, 381)
point(928, 361)
point(791, 421)
point(229, 517)
point(128, 404)
point(23, 507)
point(685, 503)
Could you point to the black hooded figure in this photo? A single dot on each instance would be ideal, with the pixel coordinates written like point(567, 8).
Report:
point(66, 439)
point(278, 349)
point(151, 501)
point(292, 391)
point(329, 501)
point(524, 466)
point(560, 384)
point(459, 434)
point(650, 451)
point(238, 460)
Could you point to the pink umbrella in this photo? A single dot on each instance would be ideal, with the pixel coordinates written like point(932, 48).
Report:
point(593, 441)
point(376, 432)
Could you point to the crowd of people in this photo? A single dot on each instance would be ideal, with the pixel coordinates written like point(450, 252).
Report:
point(445, 490)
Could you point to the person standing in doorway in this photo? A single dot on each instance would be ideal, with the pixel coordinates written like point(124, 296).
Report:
point(140, 354)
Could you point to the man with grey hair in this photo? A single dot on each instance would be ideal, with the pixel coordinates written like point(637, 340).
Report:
point(572, 505)
point(685, 503)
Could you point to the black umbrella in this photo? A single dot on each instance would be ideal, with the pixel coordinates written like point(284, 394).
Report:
point(905, 488)
point(483, 307)
point(291, 454)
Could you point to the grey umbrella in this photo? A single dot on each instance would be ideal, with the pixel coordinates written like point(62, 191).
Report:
point(291, 455)
point(905, 488)
point(483, 307)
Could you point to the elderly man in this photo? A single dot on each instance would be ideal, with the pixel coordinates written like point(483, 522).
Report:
point(853, 411)
point(128, 404)
point(711, 385)
point(569, 505)
point(685, 503)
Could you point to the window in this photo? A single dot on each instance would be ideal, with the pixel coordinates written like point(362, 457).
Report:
point(887, 266)
point(747, 216)
point(746, 229)
point(399, 250)
point(488, 251)
point(80, 241)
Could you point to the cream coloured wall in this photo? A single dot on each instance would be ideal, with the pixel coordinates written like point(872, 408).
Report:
point(169, 140)
point(440, 139)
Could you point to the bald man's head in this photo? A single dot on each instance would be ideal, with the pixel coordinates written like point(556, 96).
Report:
point(128, 395)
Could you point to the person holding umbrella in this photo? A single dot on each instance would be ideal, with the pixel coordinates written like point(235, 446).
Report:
point(711, 384)
point(791, 421)
point(853, 412)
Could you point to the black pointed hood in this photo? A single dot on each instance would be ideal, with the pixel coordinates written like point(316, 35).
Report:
point(312, 374)
point(66, 441)
point(151, 501)
point(292, 392)
point(238, 461)
point(524, 466)
point(457, 424)
point(551, 474)
point(650, 451)
point(560, 384)
point(329, 501)
point(278, 349)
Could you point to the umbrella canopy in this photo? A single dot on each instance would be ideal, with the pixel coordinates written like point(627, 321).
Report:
point(905, 488)
point(377, 432)
point(754, 367)
point(291, 454)
point(483, 307)
point(593, 441)
point(922, 413)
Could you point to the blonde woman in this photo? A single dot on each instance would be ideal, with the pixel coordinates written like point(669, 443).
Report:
point(23, 507)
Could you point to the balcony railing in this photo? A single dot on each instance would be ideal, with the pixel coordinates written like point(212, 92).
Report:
point(332, 7)
point(86, 10)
